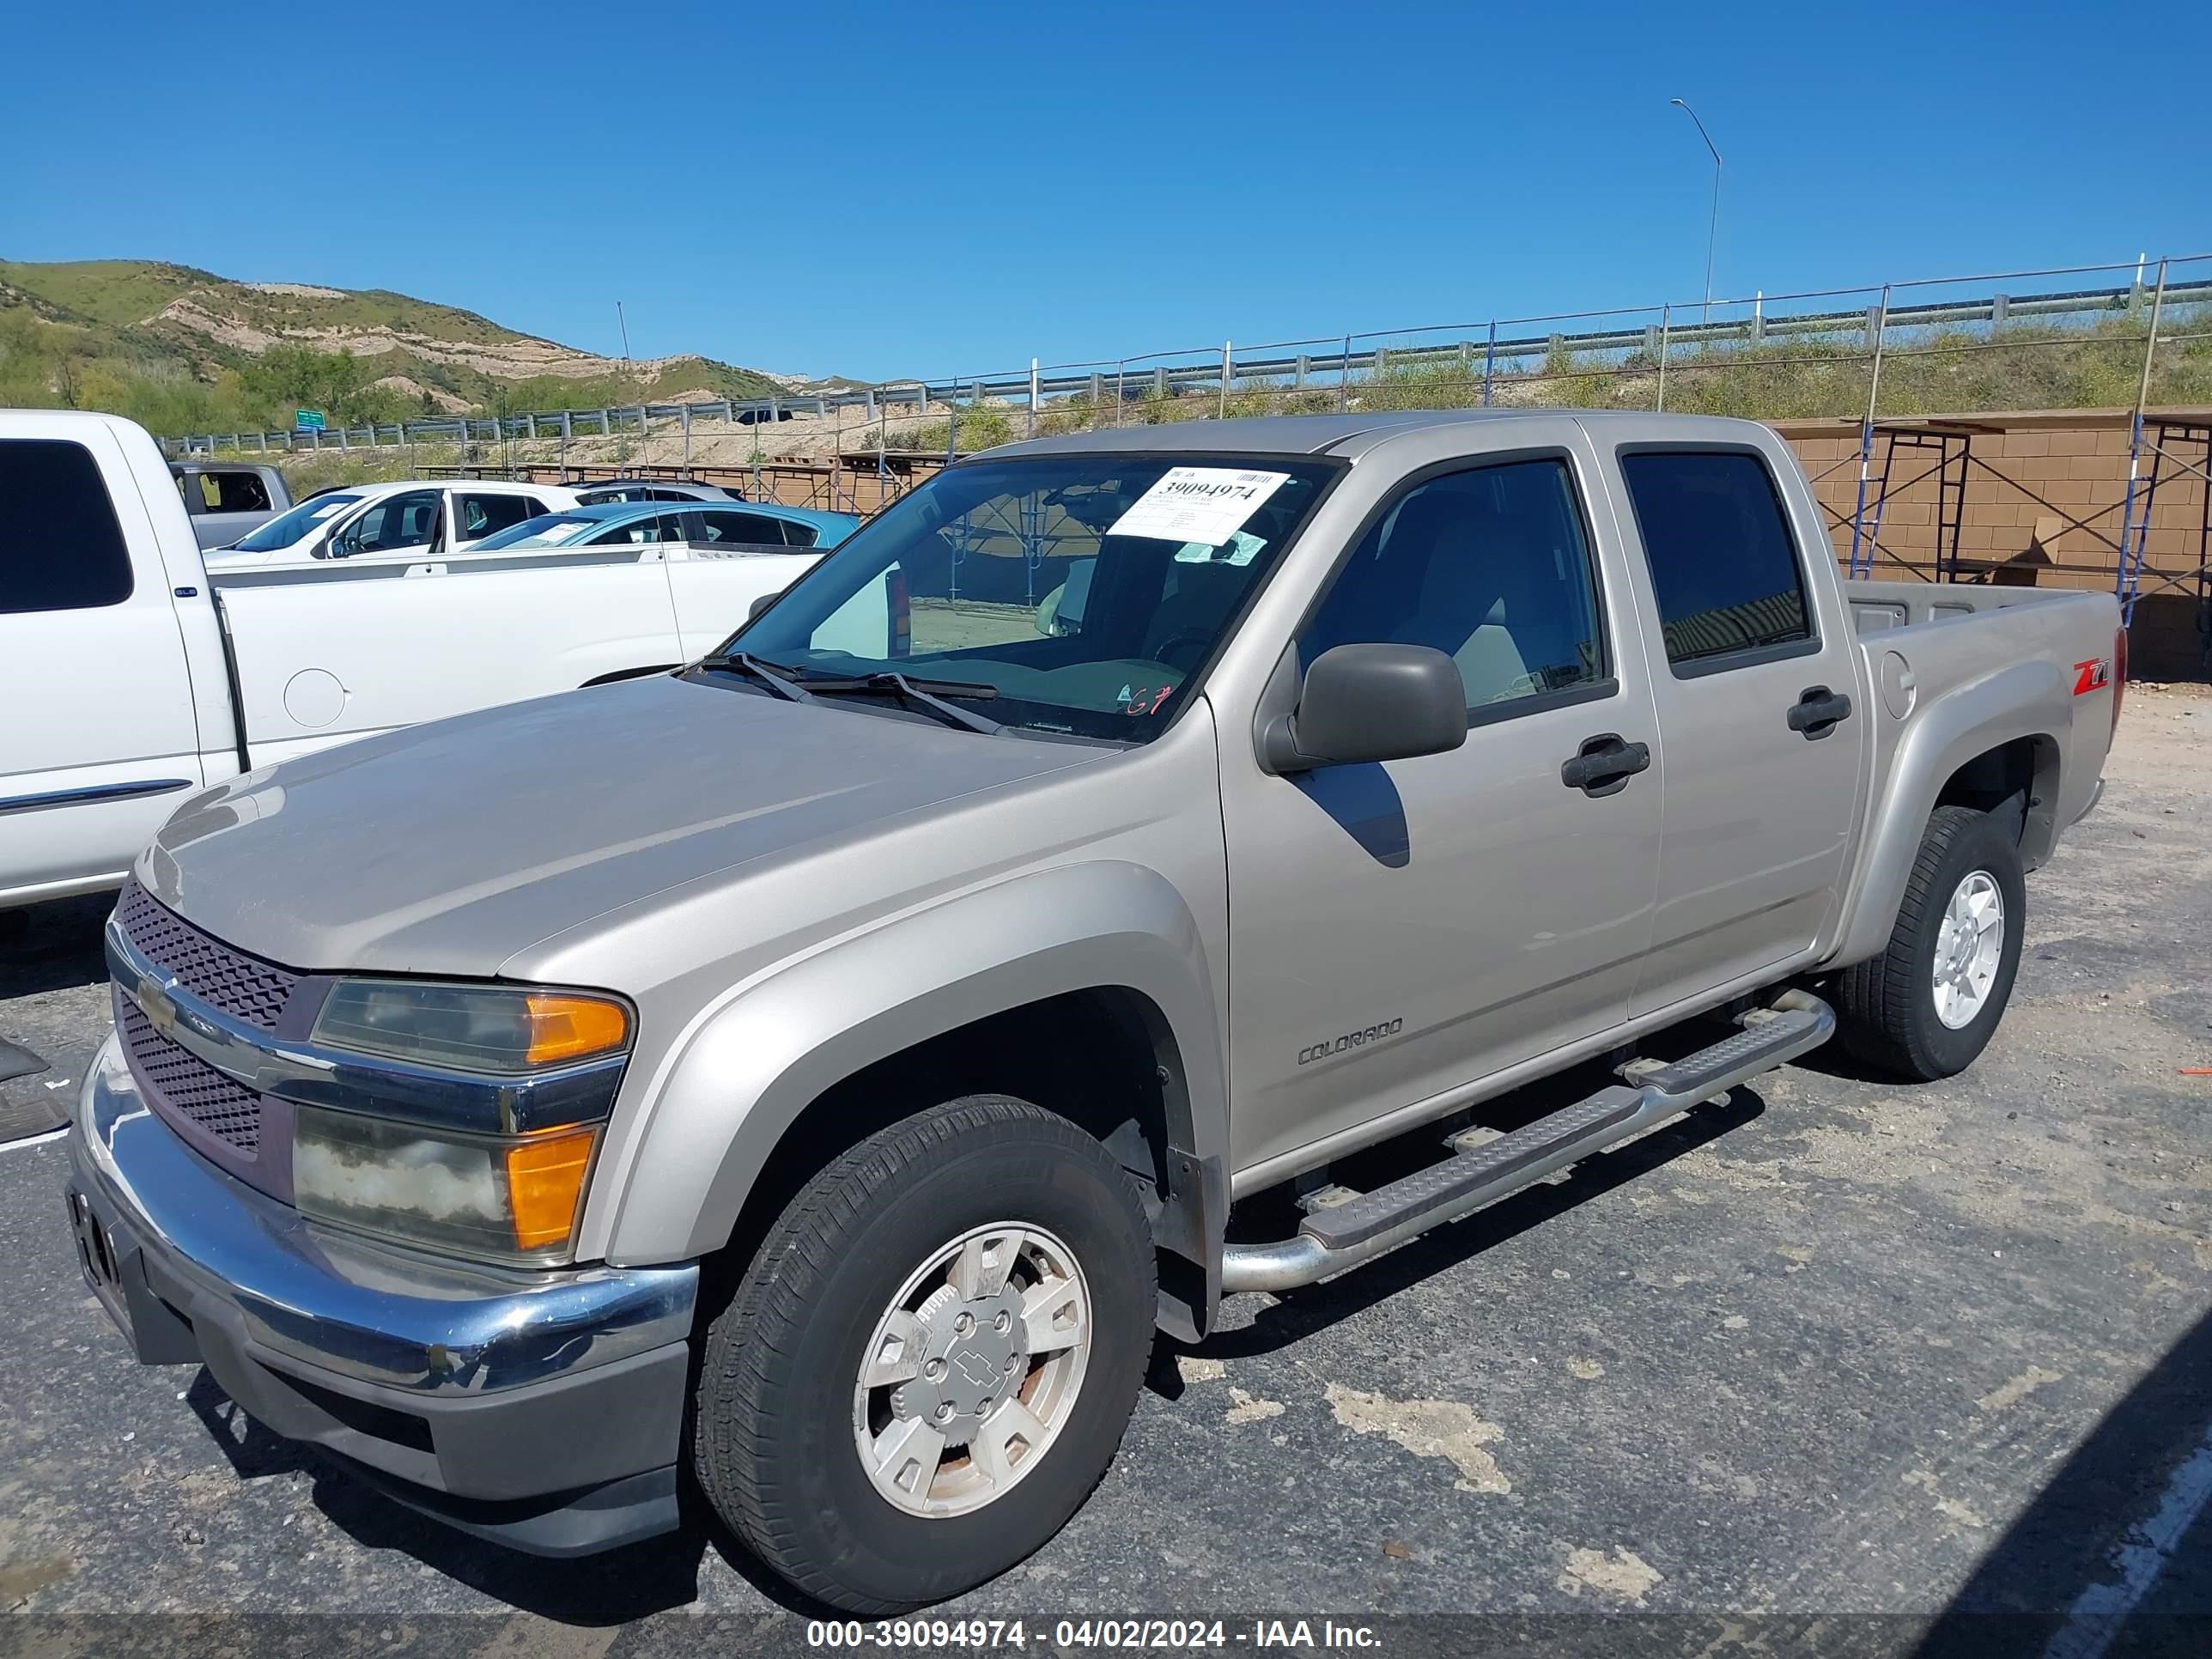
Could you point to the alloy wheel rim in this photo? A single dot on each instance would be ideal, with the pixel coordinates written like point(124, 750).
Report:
point(1969, 946)
point(974, 1370)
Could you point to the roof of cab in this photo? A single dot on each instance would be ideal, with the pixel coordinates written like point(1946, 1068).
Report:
point(1348, 434)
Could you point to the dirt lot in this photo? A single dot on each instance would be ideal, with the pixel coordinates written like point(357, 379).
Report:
point(1841, 1364)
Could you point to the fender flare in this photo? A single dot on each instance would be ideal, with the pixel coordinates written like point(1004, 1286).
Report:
point(753, 1062)
point(2026, 700)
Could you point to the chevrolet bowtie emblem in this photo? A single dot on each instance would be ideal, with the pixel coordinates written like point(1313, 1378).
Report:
point(161, 1012)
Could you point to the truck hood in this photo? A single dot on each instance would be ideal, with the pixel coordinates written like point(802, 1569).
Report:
point(447, 847)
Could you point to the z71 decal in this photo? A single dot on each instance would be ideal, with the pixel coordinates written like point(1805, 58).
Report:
point(2092, 675)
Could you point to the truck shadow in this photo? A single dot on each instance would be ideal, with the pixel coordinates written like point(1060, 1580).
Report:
point(2114, 1555)
point(55, 946)
point(611, 1589)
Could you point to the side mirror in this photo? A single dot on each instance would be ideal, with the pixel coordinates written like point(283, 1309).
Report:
point(1369, 702)
point(761, 605)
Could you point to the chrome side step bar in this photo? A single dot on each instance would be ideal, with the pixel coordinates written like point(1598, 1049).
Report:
point(1345, 1234)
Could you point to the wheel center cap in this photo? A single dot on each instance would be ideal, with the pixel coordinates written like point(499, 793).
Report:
point(973, 1360)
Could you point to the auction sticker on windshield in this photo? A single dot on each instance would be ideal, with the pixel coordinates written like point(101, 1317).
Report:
point(1205, 504)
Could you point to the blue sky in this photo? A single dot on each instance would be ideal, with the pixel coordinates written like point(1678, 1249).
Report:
point(881, 189)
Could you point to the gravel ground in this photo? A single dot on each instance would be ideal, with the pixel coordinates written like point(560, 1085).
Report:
point(1838, 1348)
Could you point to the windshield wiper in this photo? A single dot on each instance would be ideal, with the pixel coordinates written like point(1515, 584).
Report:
point(775, 676)
point(929, 694)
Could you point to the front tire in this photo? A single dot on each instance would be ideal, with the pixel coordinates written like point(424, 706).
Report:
point(1927, 1006)
point(929, 1363)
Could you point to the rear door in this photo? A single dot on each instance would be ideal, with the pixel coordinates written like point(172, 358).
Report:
point(1399, 931)
point(1757, 715)
point(99, 738)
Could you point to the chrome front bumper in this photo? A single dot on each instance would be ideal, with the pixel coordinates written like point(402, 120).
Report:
point(460, 1383)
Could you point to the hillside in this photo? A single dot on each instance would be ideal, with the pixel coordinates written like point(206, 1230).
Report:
point(184, 350)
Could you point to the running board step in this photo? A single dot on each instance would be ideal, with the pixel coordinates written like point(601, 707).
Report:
point(1340, 1235)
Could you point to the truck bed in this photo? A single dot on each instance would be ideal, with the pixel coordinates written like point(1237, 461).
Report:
point(1877, 606)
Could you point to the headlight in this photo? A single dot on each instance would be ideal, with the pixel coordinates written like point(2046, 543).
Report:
point(470, 1028)
point(513, 1198)
point(481, 1141)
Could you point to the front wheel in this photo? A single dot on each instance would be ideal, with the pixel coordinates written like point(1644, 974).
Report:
point(1927, 1006)
point(932, 1358)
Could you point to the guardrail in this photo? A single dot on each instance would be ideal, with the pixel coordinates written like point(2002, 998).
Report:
point(1857, 323)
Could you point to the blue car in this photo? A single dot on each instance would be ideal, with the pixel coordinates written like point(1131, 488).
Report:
point(698, 523)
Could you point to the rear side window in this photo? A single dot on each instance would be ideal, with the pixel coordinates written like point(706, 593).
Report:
point(487, 515)
point(234, 492)
point(61, 548)
point(1724, 565)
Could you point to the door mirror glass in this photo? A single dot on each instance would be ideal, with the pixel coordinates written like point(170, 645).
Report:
point(1370, 703)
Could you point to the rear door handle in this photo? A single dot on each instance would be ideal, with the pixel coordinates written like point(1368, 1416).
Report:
point(1817, 711)
point(1604, 764)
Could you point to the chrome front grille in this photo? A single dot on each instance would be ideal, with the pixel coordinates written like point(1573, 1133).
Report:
point(243, 987)
point(194, 1090)
point(222, 1119)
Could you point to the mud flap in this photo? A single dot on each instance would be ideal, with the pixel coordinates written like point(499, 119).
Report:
point(1188, 1232)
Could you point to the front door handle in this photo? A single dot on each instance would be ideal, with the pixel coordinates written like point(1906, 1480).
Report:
point(1817, 711)
point(1604, 764)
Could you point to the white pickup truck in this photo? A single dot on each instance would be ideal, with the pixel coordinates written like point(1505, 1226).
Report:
point(129, 679)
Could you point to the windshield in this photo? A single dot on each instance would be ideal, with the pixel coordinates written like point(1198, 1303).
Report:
point(301, 521)
point(1086, 590)
point(546, 530)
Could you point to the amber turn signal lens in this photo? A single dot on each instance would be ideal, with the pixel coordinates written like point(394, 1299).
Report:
point(563, 1027)
point(544, 1178)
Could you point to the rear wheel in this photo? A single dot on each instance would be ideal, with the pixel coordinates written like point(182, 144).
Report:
point(930, 1362)
point(1927, 1006)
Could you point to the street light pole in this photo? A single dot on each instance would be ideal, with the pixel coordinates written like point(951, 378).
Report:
point(1713, 226)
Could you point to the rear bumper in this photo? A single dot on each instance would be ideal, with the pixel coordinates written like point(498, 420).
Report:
point(543, 1411)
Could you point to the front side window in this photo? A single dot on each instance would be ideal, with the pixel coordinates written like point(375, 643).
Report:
point(391, 525)
point(640, 531)
point(1490, 567)
point(751, 529)
point(1085, 590)
point(61, 548)
point(1724, 565)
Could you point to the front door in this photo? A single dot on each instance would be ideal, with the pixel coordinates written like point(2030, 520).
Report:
point(403, 528)
point(100, 736)
point(1756, 711)
point(1398, 930)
